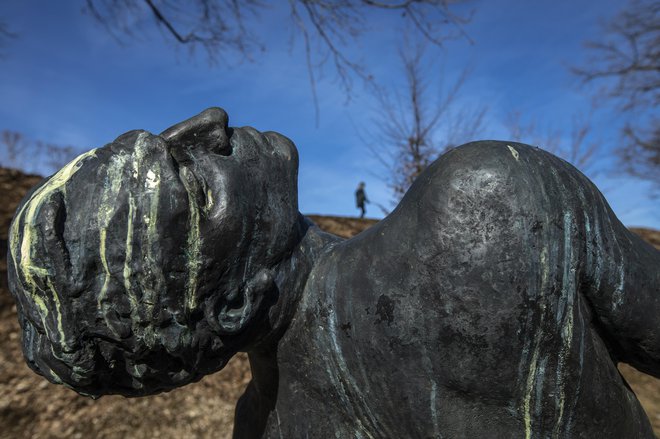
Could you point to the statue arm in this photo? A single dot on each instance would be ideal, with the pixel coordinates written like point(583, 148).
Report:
point(623, 288)
point(546, 209)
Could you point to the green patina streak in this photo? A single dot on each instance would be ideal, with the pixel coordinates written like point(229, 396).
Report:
point(193, 249)
point(43, 310)
point(25, 265)
point(137, 157)
point(156, 282)
point(127, 272)
point(533, 365)
point(58, 311)
point(106, 211)
point(106, 281)
point(209, 201)
point(514, 153)
point(55, 377)
point(139, 153)
point(568, 286)
point(567, 335)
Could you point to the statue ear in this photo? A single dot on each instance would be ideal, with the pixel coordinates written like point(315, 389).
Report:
point(238, 308)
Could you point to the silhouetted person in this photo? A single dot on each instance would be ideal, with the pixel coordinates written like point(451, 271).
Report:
point(361, 199)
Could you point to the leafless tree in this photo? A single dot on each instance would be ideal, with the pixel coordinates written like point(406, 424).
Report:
point(642, 156)
point(12, 142)
point(223, 28)
point(56, 155)
point(412, 130)
point(17, 151)
point(581, 149)
point(625, 64)
point(577, 146)
point(5, 35)
point(218, 27)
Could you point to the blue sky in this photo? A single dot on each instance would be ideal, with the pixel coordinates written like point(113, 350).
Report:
point(65, 80)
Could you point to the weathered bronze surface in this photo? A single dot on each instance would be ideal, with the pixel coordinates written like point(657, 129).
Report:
point(495, 301)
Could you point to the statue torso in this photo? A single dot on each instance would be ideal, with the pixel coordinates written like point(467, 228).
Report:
point(455, 317)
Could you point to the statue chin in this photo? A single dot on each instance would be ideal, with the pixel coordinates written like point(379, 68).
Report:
point(100, 364)
point(152, 361)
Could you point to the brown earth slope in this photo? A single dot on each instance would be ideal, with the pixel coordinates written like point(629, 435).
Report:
point(31, 407)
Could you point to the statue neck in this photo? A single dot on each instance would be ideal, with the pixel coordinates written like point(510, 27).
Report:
point(260, 398)
point(291, 277)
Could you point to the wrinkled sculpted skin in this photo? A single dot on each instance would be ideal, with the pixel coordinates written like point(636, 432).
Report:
point(495, 301)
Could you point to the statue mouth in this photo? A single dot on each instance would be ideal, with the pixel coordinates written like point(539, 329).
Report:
point(101, 364)
point(76, 368)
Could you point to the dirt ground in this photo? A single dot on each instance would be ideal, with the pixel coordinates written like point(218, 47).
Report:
point(31, 407)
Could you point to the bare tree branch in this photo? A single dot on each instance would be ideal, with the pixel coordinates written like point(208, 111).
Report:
point(328, 22)
point(5, 36)
point(12, 142)
point(17, 151)
point(327, 27)
point(577, 148)
point(190, 38)
point(626, 61)
point(216, 26)
point(642, 156)
point(411, 130)
point(625, 64)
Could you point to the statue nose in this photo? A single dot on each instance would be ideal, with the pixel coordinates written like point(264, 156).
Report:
point(208, 130)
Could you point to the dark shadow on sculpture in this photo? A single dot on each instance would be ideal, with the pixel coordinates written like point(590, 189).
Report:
point(495, 301)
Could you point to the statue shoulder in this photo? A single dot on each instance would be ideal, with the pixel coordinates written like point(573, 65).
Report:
point(481, 192)
point(478, 167)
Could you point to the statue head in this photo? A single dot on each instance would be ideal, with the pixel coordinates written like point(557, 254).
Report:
point(143, 265)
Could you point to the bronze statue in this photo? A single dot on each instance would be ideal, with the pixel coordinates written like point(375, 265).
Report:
point(495, 301)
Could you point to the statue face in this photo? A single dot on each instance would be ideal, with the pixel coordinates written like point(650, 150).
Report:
point(130, 265)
